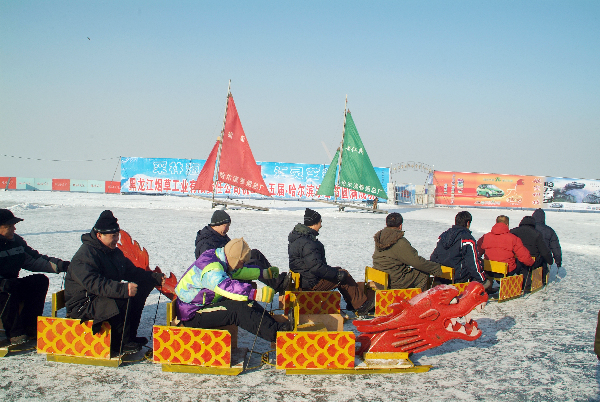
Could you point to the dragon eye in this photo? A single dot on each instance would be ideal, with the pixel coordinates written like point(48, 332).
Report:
point(454, 301)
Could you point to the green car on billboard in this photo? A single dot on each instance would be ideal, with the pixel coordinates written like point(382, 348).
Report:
point(489, 190)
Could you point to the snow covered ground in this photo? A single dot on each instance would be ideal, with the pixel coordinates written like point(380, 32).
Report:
point(535, 348)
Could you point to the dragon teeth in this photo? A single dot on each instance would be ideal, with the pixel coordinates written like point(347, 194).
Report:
point(462, 330)
point(449, 327)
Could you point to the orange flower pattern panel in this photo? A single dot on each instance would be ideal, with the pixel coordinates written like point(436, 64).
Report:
point(65, 336)
point(536, 279)
point(192, 346)
point(385, 298)
point(510, 287)
point(315, 350)
point(314, 302)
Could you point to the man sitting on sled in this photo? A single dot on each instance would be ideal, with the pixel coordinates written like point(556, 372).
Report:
point(214, 235)
point(214, 292)
point(94, 289)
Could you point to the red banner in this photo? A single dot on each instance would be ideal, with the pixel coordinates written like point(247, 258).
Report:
point(61, 185)
point(488, 189)
point(12, 185)
point(113, 187)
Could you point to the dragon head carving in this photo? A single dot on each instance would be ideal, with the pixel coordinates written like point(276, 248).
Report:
point(139, 256)
point(425, 321)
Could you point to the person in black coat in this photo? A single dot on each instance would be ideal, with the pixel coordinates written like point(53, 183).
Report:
point(456, 248)
point(534, 242)
point(307, 257)
point(21, 323)
point(550, 238)
point(214, 235)
point(94, 289)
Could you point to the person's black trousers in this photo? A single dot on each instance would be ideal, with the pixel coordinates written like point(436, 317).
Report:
point(32, 293)
point(248, 315)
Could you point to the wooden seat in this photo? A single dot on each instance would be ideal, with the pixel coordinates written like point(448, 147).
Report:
point(510, 286)
point(70, 341)
point(376, 279)
point(496, 267)
point(447, 273)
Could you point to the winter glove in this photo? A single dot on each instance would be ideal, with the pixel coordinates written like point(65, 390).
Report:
point(270, 273)
point(11, 285)
point(64, 267)
point(342, 275)
point(264, 294)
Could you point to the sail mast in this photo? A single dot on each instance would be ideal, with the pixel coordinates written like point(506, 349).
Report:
point(339, 168)
point(216, 173)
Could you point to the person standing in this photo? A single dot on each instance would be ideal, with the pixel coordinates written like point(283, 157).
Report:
point(21, 324)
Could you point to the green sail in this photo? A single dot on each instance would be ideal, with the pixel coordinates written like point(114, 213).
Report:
point(356, 172)
point(328, 184)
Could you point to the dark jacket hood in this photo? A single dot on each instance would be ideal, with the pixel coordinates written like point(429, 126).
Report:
point(301, 230)
point(387, 237)
point(448, 238)
point(91, 240)
point(527, 221)
point(540, 216)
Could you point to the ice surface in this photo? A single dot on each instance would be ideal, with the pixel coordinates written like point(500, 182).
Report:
point(535, 348)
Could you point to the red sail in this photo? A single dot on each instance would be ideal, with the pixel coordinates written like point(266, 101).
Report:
point(205, 178)
point(237, 165)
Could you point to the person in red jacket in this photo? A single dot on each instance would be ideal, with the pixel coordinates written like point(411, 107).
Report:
point(501, 245)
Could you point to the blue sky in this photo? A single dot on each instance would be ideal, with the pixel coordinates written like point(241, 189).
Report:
point(484, 86)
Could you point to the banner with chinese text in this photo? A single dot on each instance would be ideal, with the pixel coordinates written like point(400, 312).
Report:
point(283, 180)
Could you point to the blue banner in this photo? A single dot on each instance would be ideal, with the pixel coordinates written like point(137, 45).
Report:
point(178, 176)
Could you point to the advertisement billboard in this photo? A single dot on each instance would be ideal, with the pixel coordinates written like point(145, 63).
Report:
point(488, 190)
point(571, 194)
point(178, 176)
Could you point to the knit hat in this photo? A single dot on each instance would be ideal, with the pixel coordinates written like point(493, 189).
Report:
point(237, 250)
point(527, 220)
point(220, 217)
point(106, 223)
point(8, 218)
point(311, 217)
